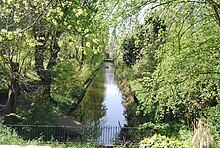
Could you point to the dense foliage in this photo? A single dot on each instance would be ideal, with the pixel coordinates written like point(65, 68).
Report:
point(47, 49)
point(166, 51)
point(176, 77)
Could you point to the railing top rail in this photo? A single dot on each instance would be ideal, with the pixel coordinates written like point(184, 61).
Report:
point(35, 125)
point(67, 126)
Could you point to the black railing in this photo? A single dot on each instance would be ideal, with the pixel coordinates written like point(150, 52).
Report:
point(79, 134)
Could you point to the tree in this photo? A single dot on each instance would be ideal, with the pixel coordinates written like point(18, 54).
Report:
point(16, 46)
point(39, 30)
point(130, 51)
point(177, 76)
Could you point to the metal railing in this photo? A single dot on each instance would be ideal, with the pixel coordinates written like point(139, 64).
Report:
point(81, 134)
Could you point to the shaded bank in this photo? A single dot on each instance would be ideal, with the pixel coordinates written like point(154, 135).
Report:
point(80, 95)
point(91, 109)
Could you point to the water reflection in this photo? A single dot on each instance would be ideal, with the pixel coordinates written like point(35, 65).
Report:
point(113, 100)
point(91, 109)
point(102, 104)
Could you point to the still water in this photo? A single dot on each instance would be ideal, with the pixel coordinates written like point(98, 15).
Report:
point(102, 104)
point(112, 100)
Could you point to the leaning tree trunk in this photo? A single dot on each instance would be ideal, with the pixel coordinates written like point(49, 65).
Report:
point(13, 91)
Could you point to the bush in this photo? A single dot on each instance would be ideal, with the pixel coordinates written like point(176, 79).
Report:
point(158, 141)
point(212, 120)
point(9, 136)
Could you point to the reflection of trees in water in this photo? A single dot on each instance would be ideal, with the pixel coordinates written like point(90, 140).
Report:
point(109, 75)
point(91, 109)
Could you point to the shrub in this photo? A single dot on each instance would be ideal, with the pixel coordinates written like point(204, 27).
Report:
point(9, 136)
point(158, 141)
point(212, 120)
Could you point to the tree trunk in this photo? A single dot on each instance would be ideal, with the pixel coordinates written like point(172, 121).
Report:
point(13, 92)
point(46, 85)
point(54, 50)
point(44, 73)
point(39, 65)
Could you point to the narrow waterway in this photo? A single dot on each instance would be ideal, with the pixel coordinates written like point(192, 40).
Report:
point(102, 105)
point(112, 99)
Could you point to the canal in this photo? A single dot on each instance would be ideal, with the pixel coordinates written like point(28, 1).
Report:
point(102, 105)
